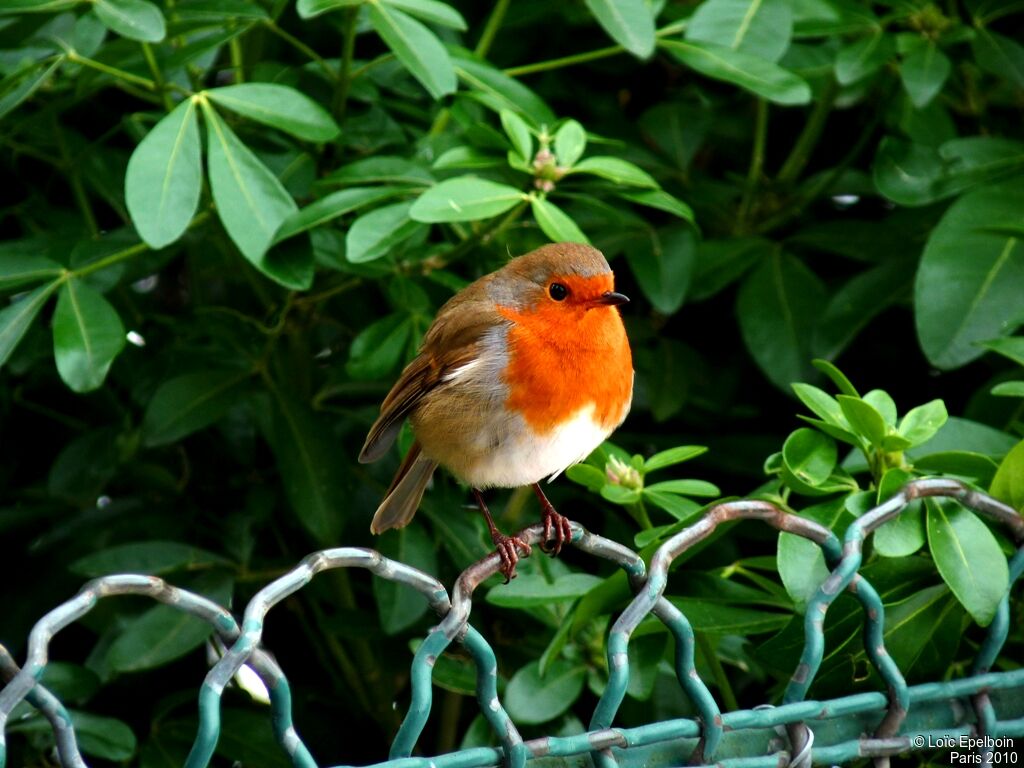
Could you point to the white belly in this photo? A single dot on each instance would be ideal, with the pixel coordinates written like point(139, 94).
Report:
point(524, 458)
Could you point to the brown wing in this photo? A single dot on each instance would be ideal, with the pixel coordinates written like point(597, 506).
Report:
point(450, 342)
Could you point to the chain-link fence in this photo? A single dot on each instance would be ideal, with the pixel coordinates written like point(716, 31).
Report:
point(988, 706)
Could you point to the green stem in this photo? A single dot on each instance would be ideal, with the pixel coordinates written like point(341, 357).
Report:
point(364, 68)
point(120, 74)
point(237, 60)
point(756, 170)
point(328, 293)
point(348, 50)
point(494, 21)
point(582, 58)
point(127, 253)
point(158, 76)
point(300, 46)
point(707, 650)
point(808, 139)
point(565, 61)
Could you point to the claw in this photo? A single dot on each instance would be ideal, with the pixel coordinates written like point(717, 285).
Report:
point(506, 547)
point(557, 528)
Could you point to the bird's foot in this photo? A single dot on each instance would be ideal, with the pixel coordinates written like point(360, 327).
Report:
point(557, 529)
point(506, 547)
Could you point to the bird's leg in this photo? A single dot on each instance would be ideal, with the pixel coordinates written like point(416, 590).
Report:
point(504, 545)
point(556, 526)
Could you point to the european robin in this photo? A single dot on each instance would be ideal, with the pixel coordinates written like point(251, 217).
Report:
point(522, 374)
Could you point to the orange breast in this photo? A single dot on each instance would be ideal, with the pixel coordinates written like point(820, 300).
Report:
point(564, 357)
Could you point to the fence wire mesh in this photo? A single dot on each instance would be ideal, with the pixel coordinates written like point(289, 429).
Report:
point(797, 732)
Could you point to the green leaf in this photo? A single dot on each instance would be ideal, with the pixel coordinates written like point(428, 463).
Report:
point(398, 605)
point(618, 494)
point(809, 456)
point(968, 558)
point(836, 376)
point(821, 403)
point(882, 402)
point(439, 13)
point(965, 435)
point(859, 301)
point(629, 23)
point(761, 28)
point(87, 336)
point(466, 158)
point(466, 198)
point(104, 737)
point(863, 418)
point(923, 73)
point(279, 106)
point(307, 9)
point(865, 57)
point(905, 534)
point(570, 142)
point(71, 683)
point(1011, 348)
point(673, 456)
point(188, 403)
point(587, 475)
point(518, 133)
point(501, 91)
point(555, 223)
point(381, 169)
point(165, 177)
point(416, 47)
point(251, 201)
point(533, 590)
point(306, 454)
point(660, 199)
point(800, 561)
point(663, 267)
point(912, 174)
point(331, 207)
point(1009, 389)
point(999, 55)
point(378, 347)
point(680, 507)
point(920, 423)
point(532, 699)
point(134, 19)
point(1008, 484)
point(374, 234)
point(21, 84)
point(778, 305)
point(959, 302)
point(614, 169)
point(970, 464)
point(10, 7)
point(160, 635)
point(686, 488)
point(17, 317)
point(760, 77)
point(149, 557)
point(729, 619)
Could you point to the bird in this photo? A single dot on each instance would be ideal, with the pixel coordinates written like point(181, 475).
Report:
point(522, 374)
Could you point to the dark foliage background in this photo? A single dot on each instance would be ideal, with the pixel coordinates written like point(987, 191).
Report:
point(192, 355)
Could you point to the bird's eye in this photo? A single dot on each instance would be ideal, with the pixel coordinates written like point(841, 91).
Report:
point(558, 291)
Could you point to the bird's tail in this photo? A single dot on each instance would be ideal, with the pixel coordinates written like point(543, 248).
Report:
point(403, 497)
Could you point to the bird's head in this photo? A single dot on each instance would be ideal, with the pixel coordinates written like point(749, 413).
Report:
point(557, 279)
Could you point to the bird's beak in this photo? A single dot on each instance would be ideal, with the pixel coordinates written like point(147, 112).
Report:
point(612, 299)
